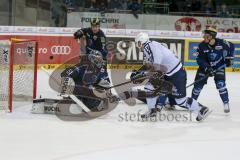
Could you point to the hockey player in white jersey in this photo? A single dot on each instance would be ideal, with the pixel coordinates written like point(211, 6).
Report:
point(162, 59)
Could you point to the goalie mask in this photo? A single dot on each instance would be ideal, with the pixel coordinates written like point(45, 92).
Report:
point(95, 57)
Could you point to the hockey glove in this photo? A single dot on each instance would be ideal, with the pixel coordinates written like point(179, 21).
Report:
point(164, 87)
point(78, 34)
point(229, 61)
point(137, 77)
point(209, 71)
point(154, 79)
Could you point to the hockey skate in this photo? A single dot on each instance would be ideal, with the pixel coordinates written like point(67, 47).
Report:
point(169, 107)
point(203, 113)
point(151, 113)
point(226, 108)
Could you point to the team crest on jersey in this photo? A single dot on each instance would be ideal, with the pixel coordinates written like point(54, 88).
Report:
point(95, 38)
point(213, 56)
point(225, 53)
point(102, 39)
point(149, 55)
point(219, 47)
point(102, 70)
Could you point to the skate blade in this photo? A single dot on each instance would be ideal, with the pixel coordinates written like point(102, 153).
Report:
point(227, 111)
point(206, 115)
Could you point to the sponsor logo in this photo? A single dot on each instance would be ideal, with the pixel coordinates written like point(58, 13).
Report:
point(163, 33)
point(224, 24)
point(188, 24)
point(118, 26)
point(95, 38)
point(65, 85)
point(102, 20)
point(43, 30)
point(61, 50)
point(30, 50)
point(219, 47)
point(5, 54)
point(51, 109)
point(66, 30)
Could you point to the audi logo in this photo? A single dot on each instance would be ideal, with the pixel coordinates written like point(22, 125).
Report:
point(64, 50)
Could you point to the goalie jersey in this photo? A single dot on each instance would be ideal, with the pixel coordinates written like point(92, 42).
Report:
point(85, 74)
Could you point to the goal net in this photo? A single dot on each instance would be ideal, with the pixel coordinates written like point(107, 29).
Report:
point(18, 72)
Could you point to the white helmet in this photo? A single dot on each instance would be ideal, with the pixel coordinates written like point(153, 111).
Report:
point(141, 38)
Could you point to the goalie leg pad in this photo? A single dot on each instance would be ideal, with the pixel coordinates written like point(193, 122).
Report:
point(51, 106)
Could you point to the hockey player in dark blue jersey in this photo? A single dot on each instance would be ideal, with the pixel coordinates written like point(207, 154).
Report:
point(214, 55)
point(95, 38)
point(86, 76)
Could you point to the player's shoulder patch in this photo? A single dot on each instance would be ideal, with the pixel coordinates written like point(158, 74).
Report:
point(102, 70)
point(103, 40)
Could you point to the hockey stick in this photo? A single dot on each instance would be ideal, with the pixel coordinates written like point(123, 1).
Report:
point(206, 76)
point(73, 97)
point(127, 82)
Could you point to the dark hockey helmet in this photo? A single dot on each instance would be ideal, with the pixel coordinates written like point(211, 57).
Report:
point(211, 31)
point(95, 22)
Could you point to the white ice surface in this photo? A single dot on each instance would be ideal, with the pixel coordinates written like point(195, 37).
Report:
point(26, 136)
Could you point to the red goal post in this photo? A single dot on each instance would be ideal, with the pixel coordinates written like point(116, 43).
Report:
point(18, 72)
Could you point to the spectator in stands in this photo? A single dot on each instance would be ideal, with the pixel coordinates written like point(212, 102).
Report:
point(115, 5)
point(80, 3)
point(223, 11)
point(173, 7)
point(102, 8)
point(209, 6)
point(124, 4)
point(92, 5)
point(188, 5)
point(59, 13)
point(136, 7)
point(70, 3)
point(149, 6)
point(196, 5)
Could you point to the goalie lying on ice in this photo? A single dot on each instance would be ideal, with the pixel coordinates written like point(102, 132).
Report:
point(81, 79)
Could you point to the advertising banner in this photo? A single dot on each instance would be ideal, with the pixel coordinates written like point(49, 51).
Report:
point(57, 45)
point(52, 49)
point(154, 22)
point(125, 50)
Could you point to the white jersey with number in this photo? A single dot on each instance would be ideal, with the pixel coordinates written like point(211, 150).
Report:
point(161, 58)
